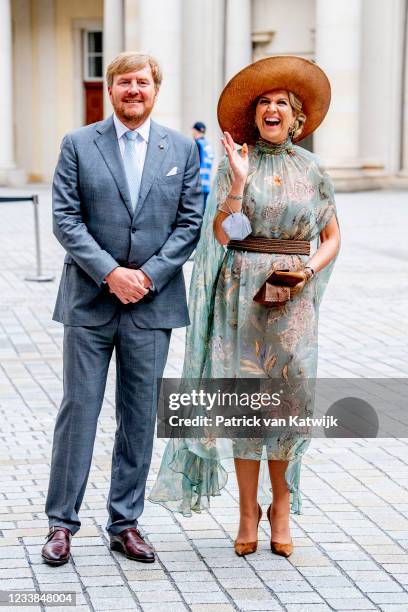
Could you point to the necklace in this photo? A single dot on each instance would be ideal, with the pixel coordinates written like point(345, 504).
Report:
point(271, 148)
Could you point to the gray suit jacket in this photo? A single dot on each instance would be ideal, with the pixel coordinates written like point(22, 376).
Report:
point(94, 222)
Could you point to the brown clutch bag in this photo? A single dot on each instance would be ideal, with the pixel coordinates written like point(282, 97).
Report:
point(276, 290)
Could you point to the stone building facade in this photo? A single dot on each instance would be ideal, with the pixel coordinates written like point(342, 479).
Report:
point(53, 54)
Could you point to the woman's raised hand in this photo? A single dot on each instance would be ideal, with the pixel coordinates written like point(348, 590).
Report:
point(238, 161)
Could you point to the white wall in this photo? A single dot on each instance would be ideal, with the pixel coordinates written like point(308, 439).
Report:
point(292, 20)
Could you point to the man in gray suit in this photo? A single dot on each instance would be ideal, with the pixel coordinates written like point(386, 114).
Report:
point(127, 209)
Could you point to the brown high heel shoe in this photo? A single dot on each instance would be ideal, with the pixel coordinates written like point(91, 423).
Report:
point(247, 548)
point(283, 550)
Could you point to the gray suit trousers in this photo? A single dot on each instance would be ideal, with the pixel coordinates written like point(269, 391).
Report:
point(140, 359)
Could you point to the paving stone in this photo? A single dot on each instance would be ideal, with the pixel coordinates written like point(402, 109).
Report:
point(11, 573)
point(248, 604)
point(358, 565)
point(396, 559)
point(90, 551)
point(301, 597)
point(351, 604)
point(355, 510)
point(395, 568)
point(239, 573)
point(172, 546)
point(401, 579)
point(205, 598)
point(309, 560)
point(15, 584)
point(98, 570)
point(165, 607)
point(375, 575)
point(44, 568)
point(103, 561)
point(184, 556)
point(308, 608)
point(328, 570)
point(291, 574)
point(378, 586)
point(199, 587)
point(61, 587)
point(78, 608)
point(255, 582)
point(277, 564)
point(211, 608)
point(160, 596)
point(142, 586)
point(57, 578)
point(192, 576)
point(329, 581)
point(154, 574)
point(108, 592)
point(339, 592)
point(11, 552)
point(106, 603)
point(203, 534)
point(93, 581)
point(384, 598)
point(214, 563)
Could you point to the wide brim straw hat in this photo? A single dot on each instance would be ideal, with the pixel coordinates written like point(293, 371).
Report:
point(236, 106)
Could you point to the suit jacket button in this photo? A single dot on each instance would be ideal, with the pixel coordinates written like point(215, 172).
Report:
point(133, 230)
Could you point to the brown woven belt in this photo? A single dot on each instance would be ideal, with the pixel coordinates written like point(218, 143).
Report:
point(258, 244)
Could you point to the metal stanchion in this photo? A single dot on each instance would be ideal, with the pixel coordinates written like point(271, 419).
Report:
point(39, 277)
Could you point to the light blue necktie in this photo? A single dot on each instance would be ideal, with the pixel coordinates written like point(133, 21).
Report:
point(132, 166)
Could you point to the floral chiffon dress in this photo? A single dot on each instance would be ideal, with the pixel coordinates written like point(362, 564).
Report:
point(287, 196)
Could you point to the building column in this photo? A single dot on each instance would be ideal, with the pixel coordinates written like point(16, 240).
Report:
point(338, 53)
point(203, 29)
point(160, 35)
point(131, 31)
point(23, 83)
point(113, 40)
point(238, 49)
point(7, 164)
point(404, 96)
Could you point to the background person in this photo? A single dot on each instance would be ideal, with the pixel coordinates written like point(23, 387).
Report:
point(206, 157)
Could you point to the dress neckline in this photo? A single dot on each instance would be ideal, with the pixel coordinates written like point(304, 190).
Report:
point(271, 148)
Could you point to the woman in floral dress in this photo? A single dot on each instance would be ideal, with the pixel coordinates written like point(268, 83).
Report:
point(286, 195)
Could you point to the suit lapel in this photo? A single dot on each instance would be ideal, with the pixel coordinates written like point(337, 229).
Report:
point(107, 142)
point(155, 154)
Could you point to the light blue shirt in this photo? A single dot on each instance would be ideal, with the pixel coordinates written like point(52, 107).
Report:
point(140, 143)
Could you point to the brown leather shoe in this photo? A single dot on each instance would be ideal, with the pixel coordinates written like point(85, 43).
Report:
point(132, 545)
point(57, 549)
point(247, 548)
point(279, 548)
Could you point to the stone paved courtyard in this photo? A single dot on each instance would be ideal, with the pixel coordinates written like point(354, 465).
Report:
point(351, 540)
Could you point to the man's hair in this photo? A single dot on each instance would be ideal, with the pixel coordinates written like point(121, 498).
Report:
point(130, 61)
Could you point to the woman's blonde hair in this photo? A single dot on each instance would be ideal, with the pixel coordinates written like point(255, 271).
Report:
point(300, 117)
point(131, 60)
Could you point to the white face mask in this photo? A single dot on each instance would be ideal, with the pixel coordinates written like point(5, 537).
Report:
point(237, 226)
